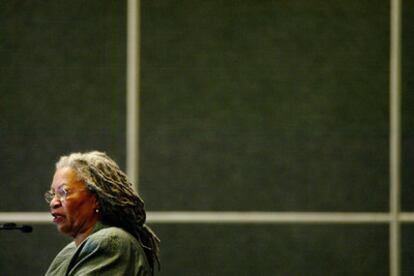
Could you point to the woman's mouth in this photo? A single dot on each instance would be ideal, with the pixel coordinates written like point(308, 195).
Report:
point(58, 218)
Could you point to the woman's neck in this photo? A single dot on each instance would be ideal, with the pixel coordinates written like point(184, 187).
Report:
point(82, 235)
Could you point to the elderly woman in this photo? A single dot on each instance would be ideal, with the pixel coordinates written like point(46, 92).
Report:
point(92, 201)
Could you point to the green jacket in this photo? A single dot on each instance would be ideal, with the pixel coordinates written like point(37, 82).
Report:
point(107, 251)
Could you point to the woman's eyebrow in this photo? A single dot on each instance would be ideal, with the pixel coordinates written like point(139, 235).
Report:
point(58, 187)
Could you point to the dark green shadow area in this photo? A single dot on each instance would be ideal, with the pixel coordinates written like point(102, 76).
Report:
point(62, 82)
point(407, 116)
point(211, 249)
point(267, 106)
point(30, 253)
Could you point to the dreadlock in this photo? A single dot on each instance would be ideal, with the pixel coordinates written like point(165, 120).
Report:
point(119, 204)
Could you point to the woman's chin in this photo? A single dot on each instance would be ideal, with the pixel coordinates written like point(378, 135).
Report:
point(62, 228)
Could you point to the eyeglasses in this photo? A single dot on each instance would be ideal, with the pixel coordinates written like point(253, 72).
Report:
point(61, 193)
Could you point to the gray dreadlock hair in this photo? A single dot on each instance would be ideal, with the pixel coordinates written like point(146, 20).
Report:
point(119, 204)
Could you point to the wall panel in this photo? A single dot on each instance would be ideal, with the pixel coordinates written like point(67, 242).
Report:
point(62, 88)
point(270, 106)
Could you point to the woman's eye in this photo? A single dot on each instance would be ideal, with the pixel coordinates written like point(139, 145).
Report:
point(62, 192)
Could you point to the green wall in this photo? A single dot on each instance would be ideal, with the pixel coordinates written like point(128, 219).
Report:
point(62, 90)
point(270, 105)
point(244, 106)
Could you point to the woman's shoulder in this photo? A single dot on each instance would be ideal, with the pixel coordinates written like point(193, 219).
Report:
point(112, 237)
point(109, 249)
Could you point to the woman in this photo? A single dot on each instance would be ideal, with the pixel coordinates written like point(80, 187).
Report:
point(92, 201)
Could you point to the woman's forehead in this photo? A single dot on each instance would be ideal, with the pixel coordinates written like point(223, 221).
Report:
point(65, 176)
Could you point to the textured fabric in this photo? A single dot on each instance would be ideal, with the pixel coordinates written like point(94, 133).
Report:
point(107, 251)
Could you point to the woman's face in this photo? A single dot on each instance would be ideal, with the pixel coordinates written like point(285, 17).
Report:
point(73, 214)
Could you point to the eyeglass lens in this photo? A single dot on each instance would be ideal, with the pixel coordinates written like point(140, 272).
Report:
point(61, 194)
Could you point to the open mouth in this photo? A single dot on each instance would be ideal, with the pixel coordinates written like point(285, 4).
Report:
point(58, 218)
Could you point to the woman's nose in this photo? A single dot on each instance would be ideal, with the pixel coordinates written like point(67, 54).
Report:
point(55, 203)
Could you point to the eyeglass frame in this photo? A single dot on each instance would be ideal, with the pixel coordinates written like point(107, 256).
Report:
point(62, 192)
